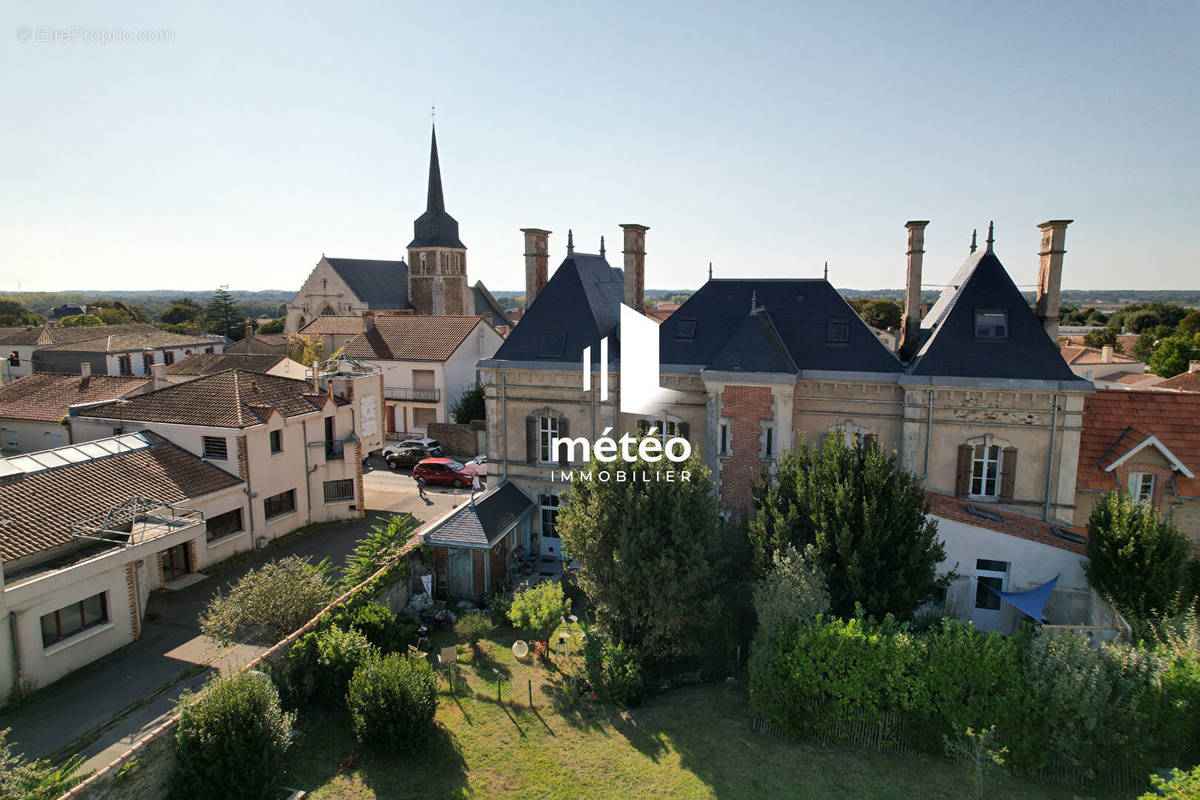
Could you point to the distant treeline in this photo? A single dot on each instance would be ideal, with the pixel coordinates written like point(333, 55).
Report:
point(267, 303)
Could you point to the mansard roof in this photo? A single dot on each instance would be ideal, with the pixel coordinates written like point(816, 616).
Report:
point(580, 305)
point(952, 349)
point(379, 284)
point(804, 324)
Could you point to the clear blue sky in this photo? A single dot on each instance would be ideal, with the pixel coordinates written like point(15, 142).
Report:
point(766, 138)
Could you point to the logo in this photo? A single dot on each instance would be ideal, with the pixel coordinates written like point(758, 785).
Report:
point(640, 394)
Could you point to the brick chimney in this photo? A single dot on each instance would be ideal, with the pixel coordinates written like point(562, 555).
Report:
point(635, 266)
point(1054, 236)
point(158, 377)
point(368, 321)
point(537, 255)
point(910, 325)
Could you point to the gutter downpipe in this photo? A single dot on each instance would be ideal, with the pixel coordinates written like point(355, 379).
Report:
point(928, 432)
point(308, 471)
point(16, 647)
point(504, 425)
point(1050, 462)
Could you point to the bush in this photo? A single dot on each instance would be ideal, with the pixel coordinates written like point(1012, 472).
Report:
point(1180, 786)
point(392, 699)
point(1137, 560)
point(383, 628)
point(497, 605)
point(381, 545)
point(231, 740)
point(33, 780)
point(614, 669)
point(792, 589)
point(269, 603)
point(339, 653)
point(474, 626)
point(539, 609)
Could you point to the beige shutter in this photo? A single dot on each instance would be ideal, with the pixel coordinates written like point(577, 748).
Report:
point(1008, 472)
point(962, 483)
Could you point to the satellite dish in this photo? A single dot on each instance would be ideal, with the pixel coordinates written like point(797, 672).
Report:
point(520, 649)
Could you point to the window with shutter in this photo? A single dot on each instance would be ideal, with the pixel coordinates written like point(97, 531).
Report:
point(962, 483)
point(1008, 472)
point(530, 439)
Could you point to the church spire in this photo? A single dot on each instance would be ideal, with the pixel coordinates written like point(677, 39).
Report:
point(436, 202)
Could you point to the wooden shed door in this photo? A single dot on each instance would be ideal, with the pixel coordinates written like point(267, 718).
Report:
point(461, 574)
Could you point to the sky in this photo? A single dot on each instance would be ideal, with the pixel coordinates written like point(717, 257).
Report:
point(765, 138)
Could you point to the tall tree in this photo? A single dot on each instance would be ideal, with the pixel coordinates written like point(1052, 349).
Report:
point(13, 313)
point(470, 405)
point(1173, 355)
point(183, 311)
point(653, 554)
point(222, 316)
point(865, 519)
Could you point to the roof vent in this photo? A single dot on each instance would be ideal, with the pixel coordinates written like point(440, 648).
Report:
point(1068, 534)
point(984, 513)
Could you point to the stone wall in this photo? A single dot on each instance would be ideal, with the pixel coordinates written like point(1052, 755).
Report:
point(143, 771)
point(460, 441)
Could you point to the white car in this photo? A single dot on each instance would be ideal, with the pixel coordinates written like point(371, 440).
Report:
point(478, 465)
point(409, 444)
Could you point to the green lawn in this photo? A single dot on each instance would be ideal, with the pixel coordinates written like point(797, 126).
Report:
point(689, 743)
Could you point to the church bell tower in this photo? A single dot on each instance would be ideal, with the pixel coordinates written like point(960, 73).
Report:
point(437, 259)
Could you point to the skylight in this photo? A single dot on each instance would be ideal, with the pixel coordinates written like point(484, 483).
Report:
point(686, 329)
point(73, 454)
point(1068, 534)
point(984, 513)
point(991, 324)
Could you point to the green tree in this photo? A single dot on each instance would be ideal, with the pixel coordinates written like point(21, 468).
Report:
point(792, 589)
point(81, 321)
point(882, 313)
point(306, 349)
point(1189, 325)
point(269, 603)
point(274, 326)
point(1137, 560)
point(184, 311)
point(373, 552)
point(21, 779)
point(865, 518)
point(539, 609)
point(1173, 354)
point(1141, 321)
point(1102, 337)
point(114, 312)
point(470, 406)
point(222, 315)
point(654, 554)
point(13, 313)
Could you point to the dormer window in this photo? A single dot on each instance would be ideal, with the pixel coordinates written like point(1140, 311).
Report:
point(552, 345)
point(991, 324)
point(839, 331)
point(686, 329)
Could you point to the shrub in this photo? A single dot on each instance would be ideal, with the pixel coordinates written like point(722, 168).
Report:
point(539, 609)
point(474, 626)
point(339, 653)
point(1136, 559)
point(1180, 786)
point(231, 740)
point(392, 699)
point(33, 780)
point(269, 603)
point(372, 552)
point(383, 628)
point(792, 589)
point(497, 605)
point(980, 751)
point(614, 669)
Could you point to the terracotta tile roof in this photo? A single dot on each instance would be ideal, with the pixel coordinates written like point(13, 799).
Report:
point(1125, 341)
point(46, 335)
point(39, 507)
point(1080, 354)
point(1115, 420)
point(131, 341)
point(1183, 382)
point(229, 399)
point(208, 363)
point(412, 338)
point(1011, 523)
point(328, 324)
point(47, 396)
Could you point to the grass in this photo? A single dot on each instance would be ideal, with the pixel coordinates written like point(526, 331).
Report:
point(689, 743)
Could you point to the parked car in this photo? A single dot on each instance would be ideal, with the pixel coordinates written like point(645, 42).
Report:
point(411, 456)
point(444, 472)
point(478, 466)
point(408, 444)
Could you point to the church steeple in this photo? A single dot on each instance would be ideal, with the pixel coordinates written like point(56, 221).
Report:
point(435, 228)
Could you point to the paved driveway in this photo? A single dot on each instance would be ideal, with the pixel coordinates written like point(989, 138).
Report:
point(101, 709)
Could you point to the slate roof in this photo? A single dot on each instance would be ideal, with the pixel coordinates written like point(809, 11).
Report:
point(1011, 523)
point(39, 507)
point(435, 228)
point(412, 338)
point(326, 324)
point(579, 305)
point(1117, 420)
point(379, 284)
point(1183, 382)
point(230, 399)
point(487, 306)
point(952, 350)
point(482, 523)
point(48, 396)
point(801, 328)
point(208, 363)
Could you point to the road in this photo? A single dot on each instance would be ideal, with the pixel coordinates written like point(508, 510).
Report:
point(100, 710)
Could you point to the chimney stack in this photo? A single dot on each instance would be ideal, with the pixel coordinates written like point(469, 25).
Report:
point(910, 332)
point(1106, 353)
point(249, 332)
point(85, 370)
point(1054, 235)
point(635, 266)
point(368, 321)
point(1194, 366)
point(158, 377)
point(537, 255)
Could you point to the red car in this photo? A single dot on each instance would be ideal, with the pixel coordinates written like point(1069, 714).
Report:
point(444, 471)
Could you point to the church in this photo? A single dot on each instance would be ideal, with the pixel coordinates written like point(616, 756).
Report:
point(433, 282)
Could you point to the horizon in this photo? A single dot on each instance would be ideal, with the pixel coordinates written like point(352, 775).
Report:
point(243, 148)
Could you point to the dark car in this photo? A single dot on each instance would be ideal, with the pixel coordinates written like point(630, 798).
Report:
point(411, 455)
point(444, 472)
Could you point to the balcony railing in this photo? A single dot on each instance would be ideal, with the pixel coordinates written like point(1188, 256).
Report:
point(406, 393)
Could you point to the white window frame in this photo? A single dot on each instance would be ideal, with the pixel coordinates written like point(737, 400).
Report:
point(547, 432)
point(983, 457)
point(1141, 487)
point(548, 506)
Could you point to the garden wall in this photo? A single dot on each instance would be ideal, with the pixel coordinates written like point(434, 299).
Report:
point(143, 771)
point(457, 440)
